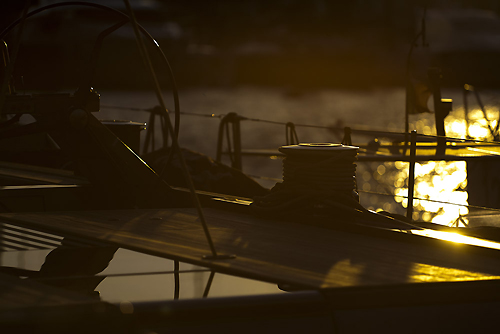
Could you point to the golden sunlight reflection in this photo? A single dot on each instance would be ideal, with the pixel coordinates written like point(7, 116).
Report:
point(456, 125)
point(458, 238)
point(447, 181)
point(425, 273)
point(440, 180)
point(435, 181)
point(345, 272)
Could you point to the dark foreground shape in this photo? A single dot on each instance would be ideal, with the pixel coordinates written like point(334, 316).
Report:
point(207, 174)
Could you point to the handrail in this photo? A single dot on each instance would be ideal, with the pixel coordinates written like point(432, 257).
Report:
point(358, 129)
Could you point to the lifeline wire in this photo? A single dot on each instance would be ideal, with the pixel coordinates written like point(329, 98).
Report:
point(394, 195)
point(361, 130)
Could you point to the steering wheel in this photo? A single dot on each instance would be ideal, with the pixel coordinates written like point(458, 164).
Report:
point(85, 85)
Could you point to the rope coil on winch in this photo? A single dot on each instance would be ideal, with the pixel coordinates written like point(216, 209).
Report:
point(316, 179)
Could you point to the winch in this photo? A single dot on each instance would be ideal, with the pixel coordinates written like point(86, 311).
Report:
point(317, 177)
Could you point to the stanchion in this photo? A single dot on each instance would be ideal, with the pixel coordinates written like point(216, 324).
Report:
point(411, 174)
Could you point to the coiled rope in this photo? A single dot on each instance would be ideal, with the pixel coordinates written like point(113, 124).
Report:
point(316, 179)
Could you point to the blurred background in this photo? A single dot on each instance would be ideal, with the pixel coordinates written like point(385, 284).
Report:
point(299, 44)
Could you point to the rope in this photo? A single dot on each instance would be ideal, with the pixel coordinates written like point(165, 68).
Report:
point(175, 142)
point(313, 182)
point(483, 110)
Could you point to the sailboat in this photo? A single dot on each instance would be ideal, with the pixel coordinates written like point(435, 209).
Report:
point(333, 265)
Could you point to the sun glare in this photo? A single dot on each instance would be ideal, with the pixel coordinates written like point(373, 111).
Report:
point(441, 182)
point(457, 238)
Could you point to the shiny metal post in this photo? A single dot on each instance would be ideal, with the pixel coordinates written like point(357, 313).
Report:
point(411, 174)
